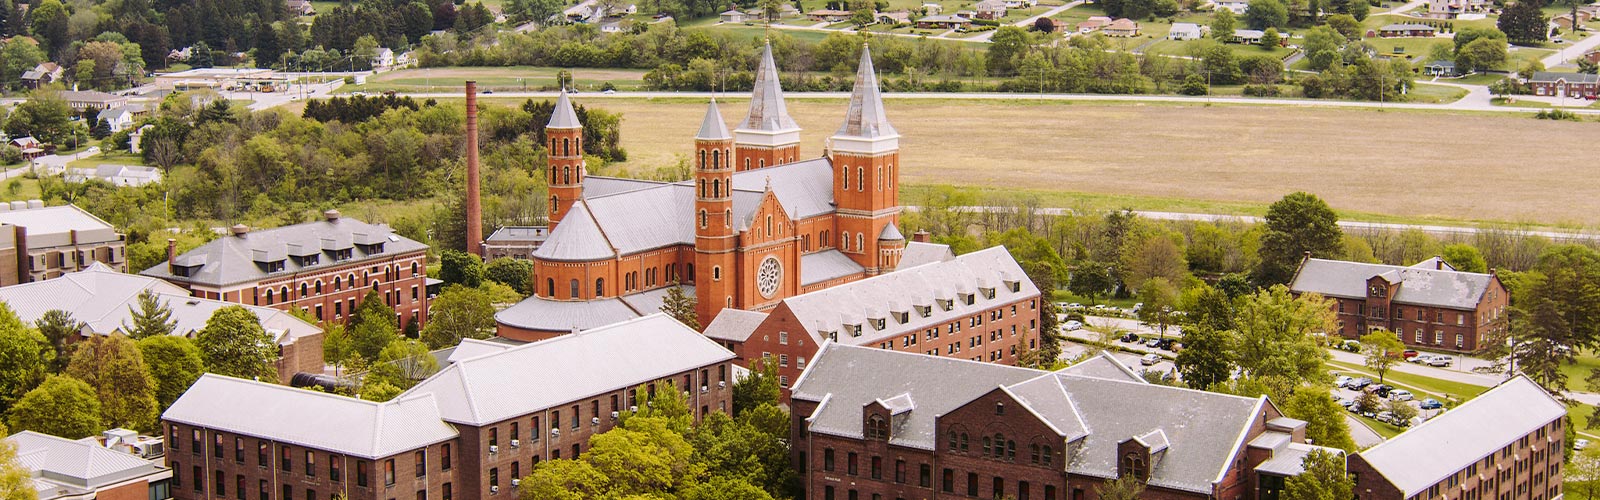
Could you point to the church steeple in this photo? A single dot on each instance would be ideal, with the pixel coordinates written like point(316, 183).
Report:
point(767, 136)
point(715, 238)
point(866, 159)
point(565, 134)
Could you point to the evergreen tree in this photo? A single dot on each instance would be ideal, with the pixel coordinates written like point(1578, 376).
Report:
point(151, 317)
point(59, 328)
point(681, 306)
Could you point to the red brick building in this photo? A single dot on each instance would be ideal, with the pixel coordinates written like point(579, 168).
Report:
point(1505, 444)
point(323, 268)
point(1429, 305)
point(105, 467)
point(1575, 85)
point(470, 431)
point(873, 423)
point(755, 225)
point(979, 307)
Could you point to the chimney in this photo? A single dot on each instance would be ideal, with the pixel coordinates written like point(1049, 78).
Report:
point(172, 251)
point(474, 206)
point(330, 214)
point(921, 236)
point(239, 230)
point(1438, 264)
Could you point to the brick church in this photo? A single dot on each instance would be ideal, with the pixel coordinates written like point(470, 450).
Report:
point(759, 222)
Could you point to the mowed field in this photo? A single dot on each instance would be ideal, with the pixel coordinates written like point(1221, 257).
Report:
point(1414, 165)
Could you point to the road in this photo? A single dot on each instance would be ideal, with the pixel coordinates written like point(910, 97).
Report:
point(1027, 23)
point(1576, 49)
point(1404, 8)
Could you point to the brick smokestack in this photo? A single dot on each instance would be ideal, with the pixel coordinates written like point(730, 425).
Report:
point(474, 205)
point(172, 251)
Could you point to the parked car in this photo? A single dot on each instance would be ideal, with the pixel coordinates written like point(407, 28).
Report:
point(1420, 358)
point(1385, 417)
point(1360, 383)
point(1074, 325)
point(1347, 403)
point(1062, 305)
point(1153, 343)
point(1440, 361)
point(1165, 344)
point(1074, 305)
point(1150, 359)
point(1342, 381)
point(1409, 353)
point(1430, 404)
point(1580, 444)
point(1380, 390)
point(1130, 338)
point(1350, 345)
point(1401, 395)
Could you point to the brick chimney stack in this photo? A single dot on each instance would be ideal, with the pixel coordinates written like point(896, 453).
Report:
point(474, 205)
point(172, 251)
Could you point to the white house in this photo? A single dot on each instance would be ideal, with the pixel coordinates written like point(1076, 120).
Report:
point(118, 118)
point(1236, 6)
point(1187, 31)
point(135, 137)
point(117, 175)
point(990, 9)
point(732, 16)
point(1021, 4)
point(383, 59)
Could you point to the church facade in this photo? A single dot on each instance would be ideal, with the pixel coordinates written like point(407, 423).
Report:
point(757, 223)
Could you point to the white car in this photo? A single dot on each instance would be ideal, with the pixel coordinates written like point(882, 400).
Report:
point(1440, 361)
point(1342, 381)
point(1150, 359)
point(1421, 358)
point(1401, 395)
point(1580, 444)
point(1074, 325)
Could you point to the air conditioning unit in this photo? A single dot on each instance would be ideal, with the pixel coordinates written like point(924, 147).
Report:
point(515, 443)
point(516, 483)
point(595, 420)
point(613, 415)
point(634, 409)
point(721, 384)
point(494, 489)
point(494, 449)
point(704, 389)
point(555, 432)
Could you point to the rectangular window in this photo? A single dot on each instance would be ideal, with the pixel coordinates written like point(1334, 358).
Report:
point(877, 467)
point(972, 484)
point(575, 416)
point(494, 477)
point(494, 437)
point(238, 449)
point(421, 458)
point(924, 476)
point(199, 478)
point(899, 471)
point(261, 490)
point(444, 451)
point(220, 484)
point(288, 492)
point(311, 494)
point(827, 459)
point(445, 489)
point(216, 445)
point(361, 473)
point(261, 453)
point(947, 481)
point(284, 463)
point(850, 463)
point(311, 464)
point(388, 472)
point(335, 471)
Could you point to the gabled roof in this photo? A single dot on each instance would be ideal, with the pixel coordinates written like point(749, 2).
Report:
point(537, 313)
point(1554, 76)
point(1407, 27)
point(232, 259)
point(712, 127)
point(1418, 286)
point(865, 118)
point(918, 253)
point(828, 264)
point(1104, 366)
point(312, 419)
point(564, 117)
point(1464, 435)
point(76, 464)
point(494, 387)
point(767, 110)
point(734, 324)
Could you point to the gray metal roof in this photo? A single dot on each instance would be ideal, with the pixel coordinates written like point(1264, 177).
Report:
point(232, 259)
point(734, 324)
point(1201, 431)
point(908, 289)
point(54, 220)
point(1418, 286)
point(890, 232)
point(649, 301)
point(1554, 76)
point(472, 348)
point(577, 238)
point(1103, 366)
point(767, 110)
point(519, 233)
point(537, 313)
point(597, 185)
point(712, 128)
point(865, 117)
point(564, 117)
point(312, 419)
point(76, 464)
point(1289, 460)
point(1407, 27)
point(918, 253)
point(517, 381)
point(1464, 435)
point(826, 265)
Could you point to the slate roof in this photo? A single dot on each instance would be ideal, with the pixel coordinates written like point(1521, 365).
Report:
point(231, 259)
point(1554, 76)
point(907, 289)
point(1464, 435)
point(59, 463)
point(494, 387)
point(734, 324)
point(1418, 286)
point(103, 299)
point(312, 419)
point(768, 112)
point(828, 264)
point(536, 313)
point(865, 118)
point(712, 128)
point(1202, 432)
point(918, 253)
point(564, 117)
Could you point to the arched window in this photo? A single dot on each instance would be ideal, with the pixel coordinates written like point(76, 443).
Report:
point(747, 164)
point(727, 218)
point(889, 182)
point(552, 145)
point(599, 287)
point(844, 176)
point(566, 147)
point(822, 239)
point(554, 204)
point(769, 226)
point(566, 175)
point(414, 268)
point(1133, 465)
point(283, 293)
point(550, 287)
point(572, 289)
point(716, 273)
point(702, 162)
point(703, 218)
point(305, 291)
point(999, 408)
point(860, 244)
point(552, 176)
point(702, 187)
point(951, 438)
point(763, 163)
point(987, 445)
point(880, 179)
point(876, 428)
point(716, 159)
point(1011, 451)
point(352, 279)
point(319, 286)
point(269, 296)
point(690, 273)
point(861, 179)
point(1033, 454)
point(337, 284)
point(963, 442)
point(716, 188)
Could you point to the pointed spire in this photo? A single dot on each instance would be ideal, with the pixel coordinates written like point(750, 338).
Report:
point(865, 117)
point(564, 116)
point(767, 110)
point(712, 128)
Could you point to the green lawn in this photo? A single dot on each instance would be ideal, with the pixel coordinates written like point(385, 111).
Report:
point(499, 78)
point(1477, 79)
point(1440, 389)
point(1425, 93)
point(1069, 297)
point(20, 188)
point(112, 158)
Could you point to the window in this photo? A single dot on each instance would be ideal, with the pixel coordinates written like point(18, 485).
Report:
point(219, 483)
point(361, 473)
point(899, 471)
point(261, 490)
point(972, 484)
point(421, 458)
point(827, 459)
point(311, 464)
point(947, 481)
point(877, 467)
point(288, 492)
point(924, 475)
point(446, 490)
point(238, 449)
point(284, 463)
point(850, 463)
point(334, 469)
point(573, 289)
point(216, 445)
point(999, 487)
point(444, 450)
point(494, 436)
point(494, 477)
point(388, 472)
point(238, 486)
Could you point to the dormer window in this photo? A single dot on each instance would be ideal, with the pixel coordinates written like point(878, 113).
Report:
point(902, 317)
point(877, 428)
point(947, 304)
point(880, 324)
point(988, 293)
point(342, 255)
point(273, 266)
point(924, 311)
point(308, 260)
point(855, 330)
point(1014, 286)
point(968, 298)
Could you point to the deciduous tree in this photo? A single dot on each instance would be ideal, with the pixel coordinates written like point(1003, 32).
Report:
point(1275, 335)
point(1223, 24)
point(174, 363)
point(1523, 22)
point(758, 388)
point(1090, 280)
point(1325, 421)
point(1126, 487)
point(1465, 258)
point(402, 364)
point(1295, 225)
point(24, 357)
point(114, 367)
point(61, 406)
point(1263, 14)
point(1324, 479)
point(458, 312)
point(16, 481)
point(234, 344)
point(516, 273)
point(1382, 349)
point(460, 268)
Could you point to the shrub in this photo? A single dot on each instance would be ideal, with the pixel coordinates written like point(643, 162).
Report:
point(1556, 114)
point(1262, 90)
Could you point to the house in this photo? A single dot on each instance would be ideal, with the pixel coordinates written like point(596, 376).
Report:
point(829, 15)
point(221, 79)
point(1247, 37)
point(894, 18)
point(514, 242)
point(321, 268)
point(614, 26)
point(1577, 85)
point(1237, 7)
point(31, 148)
point(300, 7)
point(1187, 31)
point(1441, 68)
point(1452, 8)
point(932, 9)
point(103, 299)
point(1592, 56)
point(1124, 27)
point(39, 242)
point(117, 118)
point(1021, 4)
point(979, 307)
point(1505, 443)
point(944, 22)
point(733, 16)
point(1429, 305)
point(1094, 23)
point(1564, 21)
point(80, 100)
point(874, 423)
point(117, 175)
point(990, 9)
point(119, 464)
point(470, 431)
point(42, 74)
point(384, 58)
point(1407, 30)
point(136, 139)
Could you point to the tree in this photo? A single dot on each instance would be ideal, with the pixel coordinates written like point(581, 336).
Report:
point(114, 367)
point(45, 116)
point(1154, 257)
point(460, 268)
point(1127, 487)
point(1345, 24)
point(1205, 359)
point(1223, 24)
point(758, 388)
point(234, 344)
point(1194, 84)
point(1269, 38)
point(516, 273)
point(457, 313)
point(49, 21)
point(1403, 412)
point(1158, 296)
point(1296, 225)
point(1523, 22)
point(24, 357)
point(61, 406)
point(1263, 14)
point(151, 317)
point(18, 55)
point(1382, 350)
point(372, 328)
point(402, 364)
point(1585, 464)
point(1090, 280)
point(1275, 336)
point(1044, 25)
point(1482, 54)
point(174, 363)
point(1324, 478)
point(1464, 257)
point(1556, 312)
point(744, 453)
point(1325, 420)
point(1008, 43)
point(59, 328)
point(1367, 402)
point(16, 481)
point(1321, 45)
point(681, 306)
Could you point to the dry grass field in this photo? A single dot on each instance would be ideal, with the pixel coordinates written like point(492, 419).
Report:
point(1408, 165)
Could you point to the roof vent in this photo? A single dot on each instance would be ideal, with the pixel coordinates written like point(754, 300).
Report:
point(239, 229)
point(330, 214)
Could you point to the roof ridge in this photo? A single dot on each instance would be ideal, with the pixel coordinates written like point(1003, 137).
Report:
point(284, 388)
